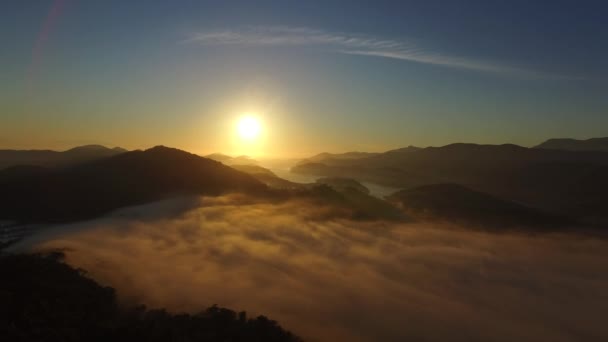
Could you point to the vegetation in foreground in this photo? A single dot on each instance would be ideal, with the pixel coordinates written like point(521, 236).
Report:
point(44, 299)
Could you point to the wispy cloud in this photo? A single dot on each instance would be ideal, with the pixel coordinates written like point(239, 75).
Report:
point(354, 44)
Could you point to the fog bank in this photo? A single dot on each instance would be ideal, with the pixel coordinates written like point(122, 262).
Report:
point(340, 280)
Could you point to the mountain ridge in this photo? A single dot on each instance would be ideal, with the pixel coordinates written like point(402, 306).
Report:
point(569, 144)
point(552, 180)
point(51, 158)
point(99, 186)
point(458, 204)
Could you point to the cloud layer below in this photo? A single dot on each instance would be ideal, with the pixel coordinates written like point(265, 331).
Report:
point(340, 280)
point(358, 45)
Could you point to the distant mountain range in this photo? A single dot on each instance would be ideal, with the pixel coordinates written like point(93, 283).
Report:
point(343, 194)
point(267, 177)
point(567, 182)
point(459, 205)
point(349, 157)
point(329, 157)
point(497, 185)
point(228, 160)
point(96, 187)
point(48, 158)
point(593, 144)
point(93, 188)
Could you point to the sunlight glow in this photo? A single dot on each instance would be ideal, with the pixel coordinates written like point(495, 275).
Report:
point(249, 127)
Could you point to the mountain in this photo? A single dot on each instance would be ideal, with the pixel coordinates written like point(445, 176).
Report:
point(593, 144)
point(347, 203)
point(404, 149)
point(93, 188)
point(18, 172)
point(350, 157)
point(570, 182)
point(457, 204)
point(407, 167)
point(48, 158)
point(328, 158)
point(228, 160)
point(267, 177)
point(347, 198)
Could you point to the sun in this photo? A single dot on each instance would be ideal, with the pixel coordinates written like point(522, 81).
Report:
point(249, 127)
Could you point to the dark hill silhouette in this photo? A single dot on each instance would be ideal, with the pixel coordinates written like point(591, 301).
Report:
point(44, 299)
point(18, 172)
point(458, 204)
point(93, 148)
point(50, 158)
point(565, 182)
point(130, 178)
point(348, 203)
point(314, 168)
point(449, 163)
point(347, 197)
point(340, 184)
point(349, 157)
point(268, 177)
point(405, 149)
point(593, 144)
point(328, 158)
point(253, 169)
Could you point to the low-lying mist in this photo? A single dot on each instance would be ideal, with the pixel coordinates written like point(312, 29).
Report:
point(330, 279)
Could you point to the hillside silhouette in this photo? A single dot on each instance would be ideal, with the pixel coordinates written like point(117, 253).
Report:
point(44, 299)
point(268, 177)
point(566, 182)
point(457, 204)
point(593, 144)
point(48, 158)
point(342, 184)
point(326, 157)
point(93, 188)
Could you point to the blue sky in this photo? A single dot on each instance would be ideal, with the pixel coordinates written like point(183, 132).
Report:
point(321, 75)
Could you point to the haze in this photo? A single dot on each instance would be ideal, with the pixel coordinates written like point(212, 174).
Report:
point(343, 280)
point(288, 171)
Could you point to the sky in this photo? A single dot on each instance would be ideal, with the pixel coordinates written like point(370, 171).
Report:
point(319, 75)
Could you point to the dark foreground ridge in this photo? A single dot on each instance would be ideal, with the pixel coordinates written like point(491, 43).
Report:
point(43, 299)
point(131, 178)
